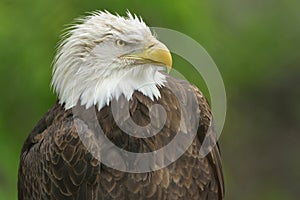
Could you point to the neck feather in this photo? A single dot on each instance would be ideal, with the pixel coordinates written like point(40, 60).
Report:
point(98, 88)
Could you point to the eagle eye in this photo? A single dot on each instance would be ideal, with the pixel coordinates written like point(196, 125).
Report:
point(120, 43)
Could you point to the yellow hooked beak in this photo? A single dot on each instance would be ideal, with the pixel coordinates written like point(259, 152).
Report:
point(155, 53)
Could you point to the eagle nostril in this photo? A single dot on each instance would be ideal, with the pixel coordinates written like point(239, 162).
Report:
point(150, 46)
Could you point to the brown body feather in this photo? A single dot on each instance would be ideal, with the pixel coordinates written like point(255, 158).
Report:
point(56, 165)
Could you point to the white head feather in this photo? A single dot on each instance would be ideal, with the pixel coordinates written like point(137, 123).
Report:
point(88, 68)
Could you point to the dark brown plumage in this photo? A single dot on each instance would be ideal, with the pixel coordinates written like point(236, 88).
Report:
point(56, 165)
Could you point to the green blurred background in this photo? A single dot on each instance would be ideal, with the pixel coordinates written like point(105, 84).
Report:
point(255, 44)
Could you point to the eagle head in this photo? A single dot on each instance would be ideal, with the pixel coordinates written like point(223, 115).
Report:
point(105, 56)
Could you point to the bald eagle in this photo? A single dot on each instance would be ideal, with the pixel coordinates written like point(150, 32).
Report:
point(104, 64)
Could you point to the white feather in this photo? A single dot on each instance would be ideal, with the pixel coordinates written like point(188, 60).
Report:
point(84, 71)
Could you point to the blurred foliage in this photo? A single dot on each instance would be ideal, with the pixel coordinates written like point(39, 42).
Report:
point(256, 45)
